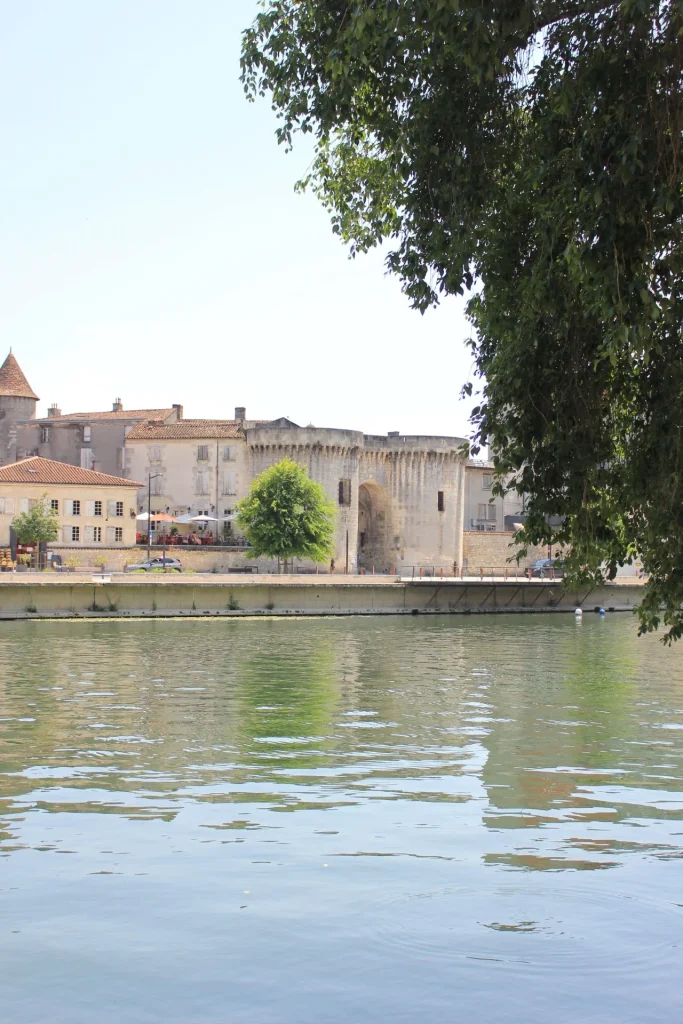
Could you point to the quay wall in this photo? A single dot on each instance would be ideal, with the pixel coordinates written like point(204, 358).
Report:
point(30, 596)
point(480, 549)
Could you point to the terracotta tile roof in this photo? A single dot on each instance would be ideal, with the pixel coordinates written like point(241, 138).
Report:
point(46, 471)
point(125, 414)
point(185, 430)
point(13, 384)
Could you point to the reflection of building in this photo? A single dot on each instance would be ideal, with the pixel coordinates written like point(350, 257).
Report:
point(92, 508)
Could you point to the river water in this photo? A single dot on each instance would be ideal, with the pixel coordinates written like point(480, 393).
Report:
point(340, 820)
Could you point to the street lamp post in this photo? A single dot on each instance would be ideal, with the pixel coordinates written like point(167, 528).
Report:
point(151, 476)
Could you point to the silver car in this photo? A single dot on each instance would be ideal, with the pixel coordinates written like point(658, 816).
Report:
point(168, 564)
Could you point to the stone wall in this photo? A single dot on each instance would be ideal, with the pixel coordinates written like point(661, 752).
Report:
point(195, 559)
point(493, 549)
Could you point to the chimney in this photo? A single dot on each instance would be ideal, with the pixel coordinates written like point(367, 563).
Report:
point(117, 406)
point(394, 433)
point(178, 412)
point(240, 412)
point(54, 411)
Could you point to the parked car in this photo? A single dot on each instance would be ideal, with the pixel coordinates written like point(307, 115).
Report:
point(172, 564)
point(546, 569)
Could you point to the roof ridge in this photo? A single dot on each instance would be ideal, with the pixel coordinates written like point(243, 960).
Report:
point(52, 471)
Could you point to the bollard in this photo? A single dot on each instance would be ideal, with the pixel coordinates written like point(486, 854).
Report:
point(441, 572)
point(420, 571)
point(393, 571)
point(506, 572)
point(481, 573)
point(373, 570)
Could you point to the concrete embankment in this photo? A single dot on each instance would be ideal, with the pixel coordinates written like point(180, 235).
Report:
point(31, 596)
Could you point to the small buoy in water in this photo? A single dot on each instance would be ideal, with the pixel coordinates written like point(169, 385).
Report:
point(578, 612)
point(602, 611)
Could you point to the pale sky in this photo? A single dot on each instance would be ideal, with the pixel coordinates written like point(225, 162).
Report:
point(152, 246)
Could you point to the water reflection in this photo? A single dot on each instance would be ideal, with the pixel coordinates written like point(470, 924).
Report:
point(340, 819)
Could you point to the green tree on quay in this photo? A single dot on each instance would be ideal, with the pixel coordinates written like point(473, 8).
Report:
point(38, 525)
point(287, 515)
point(528, 153)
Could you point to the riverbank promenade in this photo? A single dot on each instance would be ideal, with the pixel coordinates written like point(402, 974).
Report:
point(52, 595)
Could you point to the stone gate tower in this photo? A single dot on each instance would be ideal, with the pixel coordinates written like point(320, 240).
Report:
point(18, 401)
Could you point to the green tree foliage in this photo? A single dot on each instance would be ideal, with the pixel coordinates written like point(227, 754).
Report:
point(287, 515)
point(526, 152)
point(37, 525)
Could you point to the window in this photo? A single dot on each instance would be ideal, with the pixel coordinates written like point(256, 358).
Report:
point(486, 512)
point(32, 502)
point(120, 459)
point(440, 504)
point(87, 434)
point(119, 509)
point(118, 533)
point(54, 505)
point(86, 458)
point(228, 453)
point(202, 486)
point(158, 485)
point(97, 511)
point(75, 533)
point(228, 483)
point(203, 453)
point(486, 481)
point(74, 509)
point(44, 435)
point(97, 534)
point(155, 453)
point(345, 492)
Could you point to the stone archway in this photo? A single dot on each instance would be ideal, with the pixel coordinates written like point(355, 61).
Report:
point(373, 549)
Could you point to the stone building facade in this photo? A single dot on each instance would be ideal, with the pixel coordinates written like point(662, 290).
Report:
point(483, 512)
point(93, 510)
point(401, 500)
point(91, 440)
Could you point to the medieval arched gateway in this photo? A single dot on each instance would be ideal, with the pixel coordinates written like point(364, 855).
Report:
point(400, 499)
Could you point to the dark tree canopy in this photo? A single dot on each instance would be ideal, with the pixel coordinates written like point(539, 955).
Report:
point(526, 152)
point(287, 515)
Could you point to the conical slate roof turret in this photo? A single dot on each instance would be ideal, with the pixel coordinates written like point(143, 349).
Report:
point(13, 384)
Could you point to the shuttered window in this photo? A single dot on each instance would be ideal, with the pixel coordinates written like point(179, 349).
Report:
point(202, 486)
point(203, 453)
point(23, 505)
point(229, 483)
point(86, 458)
